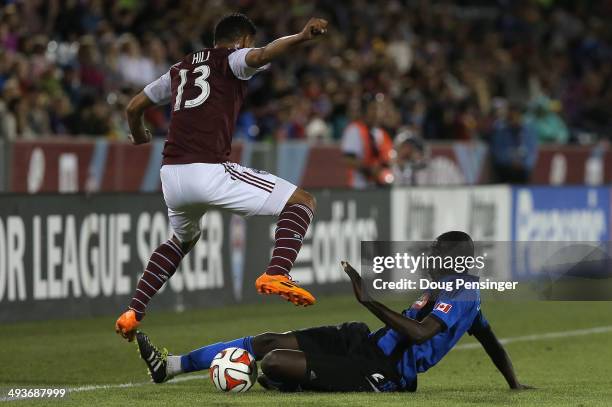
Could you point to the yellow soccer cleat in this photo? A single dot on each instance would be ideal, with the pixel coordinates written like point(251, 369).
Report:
point(126, 325)
point(283, 285)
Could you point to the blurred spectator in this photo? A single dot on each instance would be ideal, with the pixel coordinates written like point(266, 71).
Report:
point(440, 63)
point(367, 147)
point(8, 122)
point(514, 145)
point(409, 158)
point(135, 68)
point(91, 75)
point(317, 130)
point(545, 121)
point(465, 124)
point(11, 113)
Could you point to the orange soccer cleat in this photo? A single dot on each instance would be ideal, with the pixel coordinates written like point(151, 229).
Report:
point(283, 285)
point(126, 325)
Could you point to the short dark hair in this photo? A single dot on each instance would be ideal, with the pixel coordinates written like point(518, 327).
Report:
point(454, 243)
point(450, 244)
point(233, 26)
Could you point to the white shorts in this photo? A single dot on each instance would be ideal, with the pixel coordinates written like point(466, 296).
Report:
point(191, 189)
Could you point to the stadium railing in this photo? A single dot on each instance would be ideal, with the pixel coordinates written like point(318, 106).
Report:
point(101, 165)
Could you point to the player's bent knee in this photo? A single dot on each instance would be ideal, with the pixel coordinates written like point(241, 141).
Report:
point(302, 197)
point(186, 246)
point(309, 200)
point(272, 364)
point(312, 202)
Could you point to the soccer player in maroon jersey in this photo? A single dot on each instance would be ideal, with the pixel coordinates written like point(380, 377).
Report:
point(206, 90)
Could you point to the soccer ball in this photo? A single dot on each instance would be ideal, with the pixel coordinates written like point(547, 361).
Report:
point(233, 369)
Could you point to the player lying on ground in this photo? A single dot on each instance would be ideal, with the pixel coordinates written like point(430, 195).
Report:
point(206, 90)
point(349, 357)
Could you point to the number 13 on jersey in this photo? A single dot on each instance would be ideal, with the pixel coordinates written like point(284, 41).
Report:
point(200, 82)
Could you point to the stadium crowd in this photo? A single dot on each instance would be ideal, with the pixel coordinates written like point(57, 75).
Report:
point(446, 69)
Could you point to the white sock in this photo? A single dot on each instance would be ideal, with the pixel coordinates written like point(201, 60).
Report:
point(174, 366)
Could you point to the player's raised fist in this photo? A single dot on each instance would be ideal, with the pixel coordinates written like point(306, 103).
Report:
point(314, 28)
point(144, 138)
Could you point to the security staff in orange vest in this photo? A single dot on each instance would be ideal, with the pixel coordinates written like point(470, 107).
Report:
point(368, 148)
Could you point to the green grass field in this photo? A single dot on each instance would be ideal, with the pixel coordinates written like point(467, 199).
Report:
point(86, 354)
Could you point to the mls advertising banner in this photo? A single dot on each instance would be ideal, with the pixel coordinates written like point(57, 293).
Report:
point(67, 256)
point(558, 228)
point(528, 233)
point(64, 256)
point(561, 214)
point(423, 213)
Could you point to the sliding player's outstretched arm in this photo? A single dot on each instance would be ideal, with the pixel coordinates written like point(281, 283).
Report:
point(498, 355)
point(413, 330)
point(258, 57)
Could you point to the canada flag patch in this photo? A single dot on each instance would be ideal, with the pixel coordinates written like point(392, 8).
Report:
point(444, 307)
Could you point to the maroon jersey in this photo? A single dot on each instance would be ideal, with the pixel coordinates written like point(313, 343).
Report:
point(205, 100)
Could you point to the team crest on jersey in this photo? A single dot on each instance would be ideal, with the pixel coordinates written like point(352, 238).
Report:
point(444, 307)
point(421, 302)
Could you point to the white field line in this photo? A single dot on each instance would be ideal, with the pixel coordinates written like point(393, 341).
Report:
point(544, 336)
point(526, 338)
point(138, 384)
point(93, 387)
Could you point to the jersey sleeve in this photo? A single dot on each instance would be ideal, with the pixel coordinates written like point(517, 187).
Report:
point(450, 309)
point(159, 91)
point(480, 323)
point(239, 67)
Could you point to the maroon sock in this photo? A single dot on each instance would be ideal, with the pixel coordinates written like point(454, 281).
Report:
point(291, 228)
point(163, 263)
